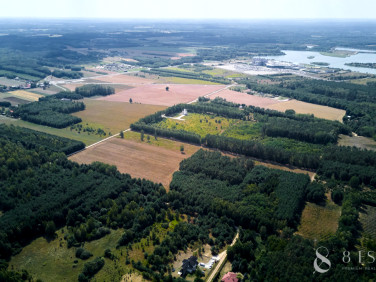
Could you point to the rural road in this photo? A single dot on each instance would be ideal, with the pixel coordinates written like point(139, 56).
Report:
point(112, 136)
point(222, 256)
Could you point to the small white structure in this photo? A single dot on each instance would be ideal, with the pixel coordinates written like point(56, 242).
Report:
point(185, 112)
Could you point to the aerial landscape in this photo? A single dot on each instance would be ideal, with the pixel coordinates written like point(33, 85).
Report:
point(170, 145)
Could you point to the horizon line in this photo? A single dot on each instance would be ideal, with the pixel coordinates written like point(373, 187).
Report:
point(188, 19)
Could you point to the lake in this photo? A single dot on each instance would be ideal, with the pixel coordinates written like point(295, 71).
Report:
point(301, 57)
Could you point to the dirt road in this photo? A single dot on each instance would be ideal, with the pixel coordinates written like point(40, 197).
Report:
point(222, 256)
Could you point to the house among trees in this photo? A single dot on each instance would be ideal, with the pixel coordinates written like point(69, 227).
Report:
point(185, 112)
point(230, 277)
point(189, 266)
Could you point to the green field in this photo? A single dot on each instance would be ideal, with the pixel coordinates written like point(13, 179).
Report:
point(368, 220)
point(246, 130)
point(53, 261)
point(319, 222)
point(200, 124)
point(161, 142)
point(85, 137)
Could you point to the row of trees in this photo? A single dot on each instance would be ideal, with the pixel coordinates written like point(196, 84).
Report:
point(67, 74)
point(189, 75)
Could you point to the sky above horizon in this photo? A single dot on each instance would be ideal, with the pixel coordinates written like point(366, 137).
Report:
point(193, 9)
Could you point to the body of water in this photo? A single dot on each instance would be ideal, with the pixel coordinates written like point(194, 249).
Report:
point(301, 57)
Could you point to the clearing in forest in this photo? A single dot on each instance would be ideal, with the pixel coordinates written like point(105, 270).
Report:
point(319, 222)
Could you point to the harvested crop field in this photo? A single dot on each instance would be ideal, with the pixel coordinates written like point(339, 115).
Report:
point(25, 95)
point(307, 108)
point(114, 116)
point(244, 98)
point(140, 160)
point(156, 94)
point(127, 79)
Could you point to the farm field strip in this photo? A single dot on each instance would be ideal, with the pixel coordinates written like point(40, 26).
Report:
point(25, 95)
point(140, 160)
point(157, 94)
point(319, 111)
point(244, 98)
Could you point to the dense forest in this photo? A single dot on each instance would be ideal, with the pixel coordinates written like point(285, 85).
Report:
point(67, 74)
point(50, 112)
point(31, 139)
point(90, 90)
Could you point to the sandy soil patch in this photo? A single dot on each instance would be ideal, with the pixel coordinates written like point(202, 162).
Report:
point(307, 108)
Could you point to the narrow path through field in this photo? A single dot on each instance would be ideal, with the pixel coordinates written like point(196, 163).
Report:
point(222, 257)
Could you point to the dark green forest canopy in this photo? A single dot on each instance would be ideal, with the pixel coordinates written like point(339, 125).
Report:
point(51, 112)
point(234, 188)
point(94, 89)
point(38, 186)
point(32, 139)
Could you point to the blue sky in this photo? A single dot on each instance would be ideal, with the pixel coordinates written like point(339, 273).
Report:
point(191, 9)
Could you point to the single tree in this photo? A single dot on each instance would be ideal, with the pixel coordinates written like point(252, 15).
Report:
point(182, 149)
point(130, 100)
point(148, 138)
point(121, 134)
point(50, 229)
point(155, 134)
point(167, 88)
point(142, 135)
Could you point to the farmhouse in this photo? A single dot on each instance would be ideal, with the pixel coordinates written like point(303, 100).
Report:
point(189, 266)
